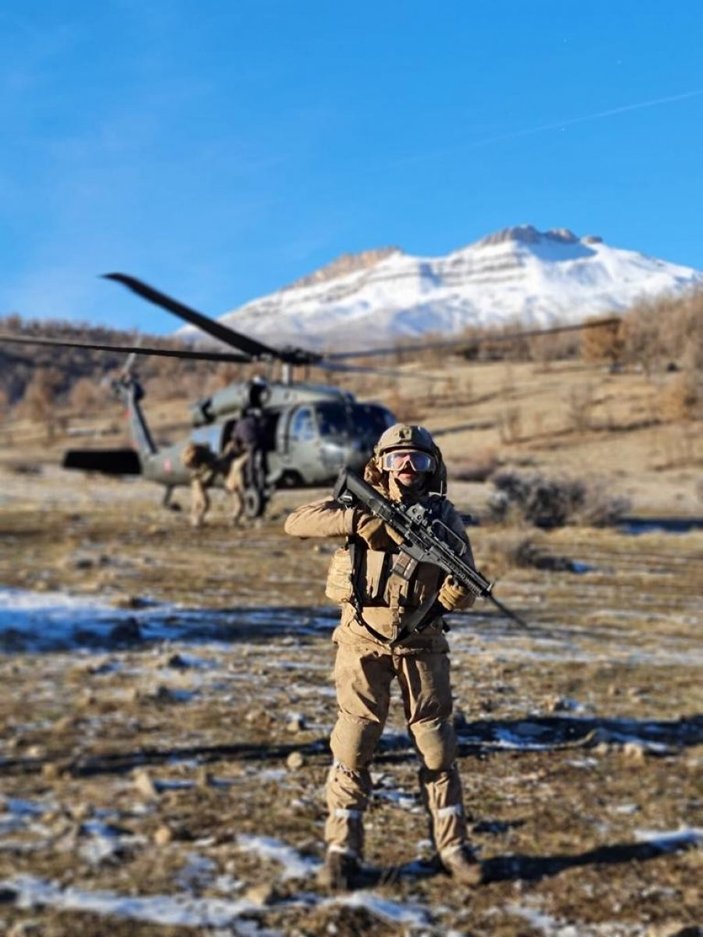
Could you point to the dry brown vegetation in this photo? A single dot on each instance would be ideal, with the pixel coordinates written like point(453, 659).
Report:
point(581, 742)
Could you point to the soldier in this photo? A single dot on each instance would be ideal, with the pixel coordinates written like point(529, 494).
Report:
point(235, 459)
point(379, 588)
point(203, 466)
point(248, 441)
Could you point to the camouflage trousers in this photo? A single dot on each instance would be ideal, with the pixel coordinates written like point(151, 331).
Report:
point(363, 679)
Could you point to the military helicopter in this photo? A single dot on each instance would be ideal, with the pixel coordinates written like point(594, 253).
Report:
point(308, 431)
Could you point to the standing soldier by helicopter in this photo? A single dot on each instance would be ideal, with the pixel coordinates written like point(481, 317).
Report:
point(380, 588)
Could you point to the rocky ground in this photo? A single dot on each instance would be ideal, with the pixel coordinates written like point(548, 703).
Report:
point(166, 706)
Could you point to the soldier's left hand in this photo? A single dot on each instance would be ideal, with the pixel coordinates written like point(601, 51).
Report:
point(454, 597)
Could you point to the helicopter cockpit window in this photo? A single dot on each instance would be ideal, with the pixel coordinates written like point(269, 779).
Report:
point(332, 419)
point(303, 426)
point(371, 419)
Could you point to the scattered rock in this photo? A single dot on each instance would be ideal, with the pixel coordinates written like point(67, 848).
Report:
point(675, 929)
point(295, 761)
point(31, 928)
point(126, 632)
point(163, 835)
point(51, 771)
point(560, 704)
point(634, 752)
point(260, 894)
point(65, 723)
point(295, 723)
point(80, 811)
point(144, 784)
point(203, 777)
point(259, 718)
point(131, 601)
point(7, 894)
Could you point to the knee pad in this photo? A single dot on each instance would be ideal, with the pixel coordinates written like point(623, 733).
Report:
point(436, 744)
point(354, 741)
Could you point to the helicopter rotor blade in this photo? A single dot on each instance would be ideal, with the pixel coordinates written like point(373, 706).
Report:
point(129, 349)
point(249, 346)
point(468, 342)
point(327, 365)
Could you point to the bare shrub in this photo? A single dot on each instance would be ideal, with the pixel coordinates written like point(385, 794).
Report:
point(605, 343)
point(476, 468)
point(510, 424)
point(601, 508)
point(664, 330)
point(580, 403)
point(86, 395)
point(39, 401)
point(403, 408)
point(500, 549)
point(550, 502)
point(682, 397)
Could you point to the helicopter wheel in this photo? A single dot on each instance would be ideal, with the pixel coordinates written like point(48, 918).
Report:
point(254, 503)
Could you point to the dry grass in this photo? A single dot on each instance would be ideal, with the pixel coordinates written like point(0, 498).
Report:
point(613, 654)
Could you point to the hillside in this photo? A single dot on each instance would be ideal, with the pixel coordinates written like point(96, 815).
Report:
point(517, 275)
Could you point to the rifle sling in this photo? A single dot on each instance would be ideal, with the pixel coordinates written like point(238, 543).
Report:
point(417, 620)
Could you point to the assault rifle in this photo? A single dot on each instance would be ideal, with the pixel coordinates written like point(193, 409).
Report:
point(424, 538)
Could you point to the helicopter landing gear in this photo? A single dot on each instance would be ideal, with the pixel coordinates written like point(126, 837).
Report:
point(254, 502)
point(167, 502)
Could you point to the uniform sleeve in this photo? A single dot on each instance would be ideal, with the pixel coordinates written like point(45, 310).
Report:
point(325, 518)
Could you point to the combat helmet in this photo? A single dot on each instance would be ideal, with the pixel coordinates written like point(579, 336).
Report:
point(406, 436)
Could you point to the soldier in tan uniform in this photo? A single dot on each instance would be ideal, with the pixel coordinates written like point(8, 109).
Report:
point(379, 587)
point(204, 466)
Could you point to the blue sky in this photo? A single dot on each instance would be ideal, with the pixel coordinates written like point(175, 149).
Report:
point(220, 150)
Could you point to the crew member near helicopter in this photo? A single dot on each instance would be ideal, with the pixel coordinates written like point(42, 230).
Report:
point(378, 587)
point(246, 445)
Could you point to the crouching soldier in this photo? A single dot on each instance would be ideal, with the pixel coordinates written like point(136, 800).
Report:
point(379, 587)
point(203, 465)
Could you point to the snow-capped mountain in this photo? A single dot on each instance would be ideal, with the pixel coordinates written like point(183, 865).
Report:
point(518, 275)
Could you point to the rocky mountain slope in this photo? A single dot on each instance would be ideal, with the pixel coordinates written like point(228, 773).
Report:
point(518, 274)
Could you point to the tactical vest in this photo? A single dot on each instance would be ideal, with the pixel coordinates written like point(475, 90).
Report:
point(389, 579)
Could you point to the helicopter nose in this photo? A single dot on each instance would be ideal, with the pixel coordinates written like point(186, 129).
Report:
point(357, 457)
point(334, 457)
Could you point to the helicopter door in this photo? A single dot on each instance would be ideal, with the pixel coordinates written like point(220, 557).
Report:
point(300, 444)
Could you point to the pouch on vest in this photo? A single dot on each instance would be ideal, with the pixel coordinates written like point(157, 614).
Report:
point(339, 577)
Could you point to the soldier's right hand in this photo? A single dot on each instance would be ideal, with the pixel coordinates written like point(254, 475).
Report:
point(375, 532)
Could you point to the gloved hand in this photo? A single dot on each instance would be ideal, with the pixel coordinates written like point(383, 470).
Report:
point(454, 596)
point(375, 532)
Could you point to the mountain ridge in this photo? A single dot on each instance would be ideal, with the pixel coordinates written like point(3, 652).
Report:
point(517, 275)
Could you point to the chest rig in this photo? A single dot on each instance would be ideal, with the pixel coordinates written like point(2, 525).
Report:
point(392, 579)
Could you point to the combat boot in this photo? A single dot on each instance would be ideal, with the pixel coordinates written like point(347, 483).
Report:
point(341, 871)
point(463, 866)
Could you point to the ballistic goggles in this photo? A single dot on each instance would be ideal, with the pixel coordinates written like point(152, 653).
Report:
point(399, 458)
